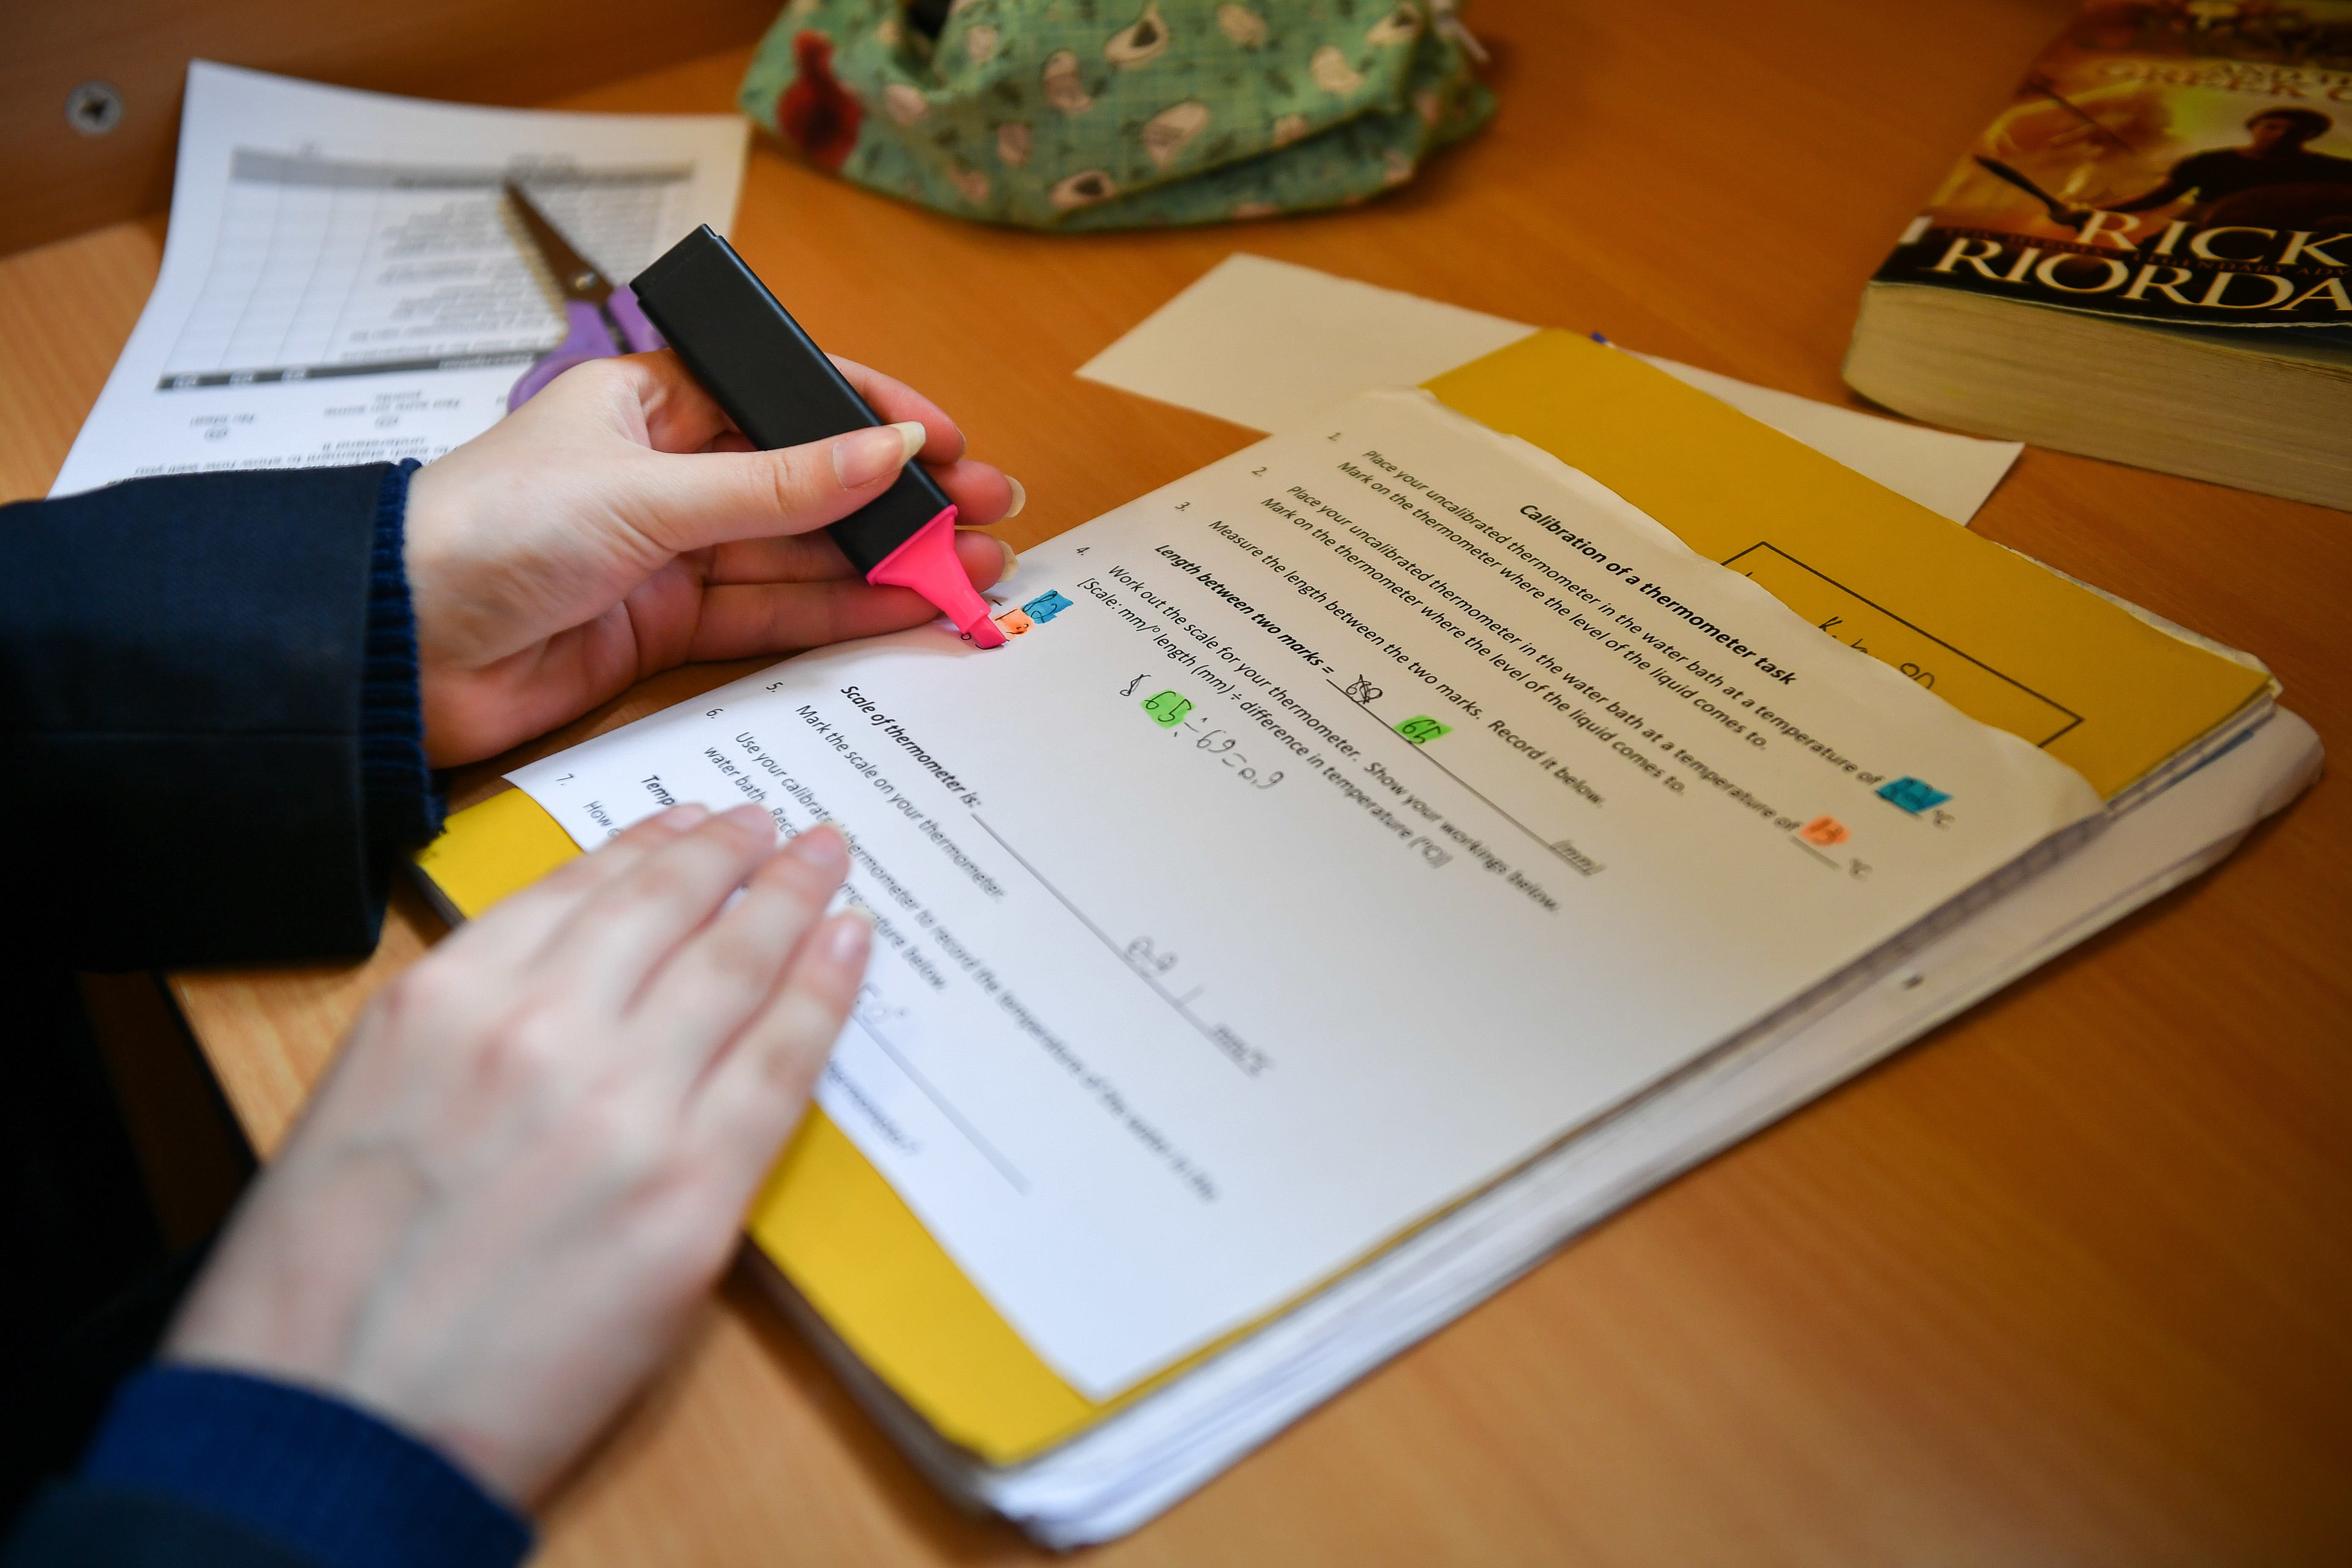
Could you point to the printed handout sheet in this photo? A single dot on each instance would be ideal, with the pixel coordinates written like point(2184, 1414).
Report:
point(341, 281)
point(1347, 823)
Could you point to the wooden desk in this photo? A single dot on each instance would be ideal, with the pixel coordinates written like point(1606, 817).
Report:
point(2067, 1281)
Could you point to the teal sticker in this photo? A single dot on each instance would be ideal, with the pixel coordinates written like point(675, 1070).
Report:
point(1913, 796)
point(1046, 606)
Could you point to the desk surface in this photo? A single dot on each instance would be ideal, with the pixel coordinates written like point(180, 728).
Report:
point(2066, 1281)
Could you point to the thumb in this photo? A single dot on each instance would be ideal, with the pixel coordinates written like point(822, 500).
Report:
point(688, 500)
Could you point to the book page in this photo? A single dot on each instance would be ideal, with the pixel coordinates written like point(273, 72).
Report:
point(342, 282)
point(1345, 824)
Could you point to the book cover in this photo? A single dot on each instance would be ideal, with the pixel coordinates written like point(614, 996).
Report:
point(2186, 162)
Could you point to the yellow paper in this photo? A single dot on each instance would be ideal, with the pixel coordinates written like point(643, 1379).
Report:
point(2007, 642)
point(841, 1234)
point(488, 850)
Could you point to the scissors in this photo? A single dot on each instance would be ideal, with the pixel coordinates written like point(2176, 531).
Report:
point(601, 316)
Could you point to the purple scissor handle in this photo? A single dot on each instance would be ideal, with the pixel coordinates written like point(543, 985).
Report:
point(601, 320)
point(641, 335)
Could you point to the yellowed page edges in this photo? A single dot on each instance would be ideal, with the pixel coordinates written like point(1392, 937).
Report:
point(2002, 640)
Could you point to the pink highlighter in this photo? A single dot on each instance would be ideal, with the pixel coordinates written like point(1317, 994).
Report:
point(781, 391)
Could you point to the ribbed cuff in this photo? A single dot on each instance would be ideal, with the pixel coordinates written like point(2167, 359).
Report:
point(325, 1479)
point(405, 803)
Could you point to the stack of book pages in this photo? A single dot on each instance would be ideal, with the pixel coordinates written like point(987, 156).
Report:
point(1375, 858)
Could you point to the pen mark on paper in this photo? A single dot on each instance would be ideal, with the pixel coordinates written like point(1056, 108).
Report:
point(1148, 961)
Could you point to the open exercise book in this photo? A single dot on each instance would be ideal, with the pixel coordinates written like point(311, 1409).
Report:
point(1376, 857)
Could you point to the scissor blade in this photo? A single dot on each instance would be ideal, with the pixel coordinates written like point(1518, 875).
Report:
point(574, 273)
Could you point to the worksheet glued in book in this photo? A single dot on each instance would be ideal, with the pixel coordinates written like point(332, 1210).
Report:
point(1347, 822)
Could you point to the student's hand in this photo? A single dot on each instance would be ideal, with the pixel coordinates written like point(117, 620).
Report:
point(616, 524)
point(532, 1155)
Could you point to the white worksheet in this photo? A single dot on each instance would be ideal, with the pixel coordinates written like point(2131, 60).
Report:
point(1346, 823)
point(342, 283)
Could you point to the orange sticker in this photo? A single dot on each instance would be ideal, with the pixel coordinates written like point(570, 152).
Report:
point(1824, 831)
point(1015, 623)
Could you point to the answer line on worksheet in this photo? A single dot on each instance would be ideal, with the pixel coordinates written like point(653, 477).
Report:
point(1004, 1167)
point(1248, 1058)
point(1422, 751)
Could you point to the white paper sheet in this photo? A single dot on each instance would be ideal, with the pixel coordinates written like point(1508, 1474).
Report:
point(1198, 978)
point(1267, 345)
point(342, 283)
point(1124, 1471)
point(1270, 345)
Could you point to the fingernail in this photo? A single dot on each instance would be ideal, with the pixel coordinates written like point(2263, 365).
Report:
point(679, 818)
point(851, 935)
point(864, 457)
point(1020, 500)
point(826, 852)
point(754, 817)
point(1011, 560)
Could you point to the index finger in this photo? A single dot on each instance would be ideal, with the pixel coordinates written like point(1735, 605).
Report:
point(682, 418)
point(894, 401)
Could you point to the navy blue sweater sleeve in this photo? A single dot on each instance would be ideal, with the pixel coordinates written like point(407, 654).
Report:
point(73, 1526)
point(208, 694)
point(198, 1465)
point(404, 804)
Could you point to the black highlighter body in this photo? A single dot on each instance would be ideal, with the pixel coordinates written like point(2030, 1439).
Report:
point(780, 390)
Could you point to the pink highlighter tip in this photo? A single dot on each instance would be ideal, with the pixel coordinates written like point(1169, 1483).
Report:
point(926, 564)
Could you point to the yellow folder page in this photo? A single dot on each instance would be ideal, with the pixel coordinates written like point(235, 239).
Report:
point(2006, 641)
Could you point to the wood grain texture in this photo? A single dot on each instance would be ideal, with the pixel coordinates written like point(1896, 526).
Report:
point(2065, 1283)
point(54, 181)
